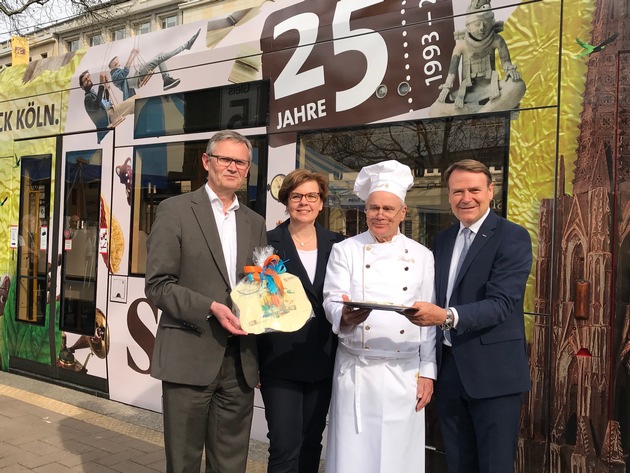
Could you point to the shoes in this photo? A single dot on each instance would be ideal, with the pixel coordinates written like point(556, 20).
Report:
point(169, 83)
point(192, 40)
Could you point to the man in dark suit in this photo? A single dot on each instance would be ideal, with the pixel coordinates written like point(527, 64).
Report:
point(97, 104)
point(481, 349)
point(197, 249)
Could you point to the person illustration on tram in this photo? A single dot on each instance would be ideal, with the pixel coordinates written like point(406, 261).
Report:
point(144, 70)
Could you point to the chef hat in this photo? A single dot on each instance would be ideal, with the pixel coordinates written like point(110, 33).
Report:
point(389, 176)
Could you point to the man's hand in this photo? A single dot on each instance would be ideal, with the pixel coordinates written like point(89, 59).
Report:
point(425, 314)
point(352, 317)
point(424, 392)
point(227, 319)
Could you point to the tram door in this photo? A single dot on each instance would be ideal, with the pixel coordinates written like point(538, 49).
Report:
point(29, 312)
point(81, 225)
point(55, 328)
point(32, 280)
point(81, 272)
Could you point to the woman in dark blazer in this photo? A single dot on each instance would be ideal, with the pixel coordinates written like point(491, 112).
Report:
point(296, 367)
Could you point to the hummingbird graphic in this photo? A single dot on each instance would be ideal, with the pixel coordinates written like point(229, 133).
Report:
point(589, 48)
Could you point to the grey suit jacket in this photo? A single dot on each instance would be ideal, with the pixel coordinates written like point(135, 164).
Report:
point(185, 273)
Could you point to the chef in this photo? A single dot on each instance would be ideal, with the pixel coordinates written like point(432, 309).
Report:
point(385, 365)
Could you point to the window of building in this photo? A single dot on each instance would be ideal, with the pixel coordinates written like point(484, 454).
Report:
point(165, 170)
point(143, 27)
point(96, 40)
point(169, 21)
point(119, 33)
point(44, 55)
point(427, 147)
point(73, 44)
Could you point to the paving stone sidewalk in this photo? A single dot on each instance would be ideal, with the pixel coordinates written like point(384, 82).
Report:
point(48, 429)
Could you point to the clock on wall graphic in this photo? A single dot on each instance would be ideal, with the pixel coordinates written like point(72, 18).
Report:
point(275, 184)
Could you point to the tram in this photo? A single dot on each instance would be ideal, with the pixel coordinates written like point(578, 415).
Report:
point(92, 141)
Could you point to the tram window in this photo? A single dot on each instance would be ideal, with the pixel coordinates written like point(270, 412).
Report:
point(32, 293)
point(428, 147)
point(165, 170)
point(81, 229)
point(242, 105)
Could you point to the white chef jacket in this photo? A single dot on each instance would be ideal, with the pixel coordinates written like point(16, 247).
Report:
point(373, 424)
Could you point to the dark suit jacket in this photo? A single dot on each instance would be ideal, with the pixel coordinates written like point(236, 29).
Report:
point(186, 272)
point(489, 343)
point(97, 111)
point(308, 354)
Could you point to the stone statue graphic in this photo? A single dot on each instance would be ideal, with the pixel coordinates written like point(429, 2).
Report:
point(480, 88)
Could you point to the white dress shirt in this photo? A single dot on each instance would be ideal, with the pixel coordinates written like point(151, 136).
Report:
point(457, 251)
point(226, 225)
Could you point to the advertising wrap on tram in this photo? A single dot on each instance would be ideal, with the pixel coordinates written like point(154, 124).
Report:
point(92, 141)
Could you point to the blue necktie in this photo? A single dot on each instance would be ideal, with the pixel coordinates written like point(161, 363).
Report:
point(467, 241)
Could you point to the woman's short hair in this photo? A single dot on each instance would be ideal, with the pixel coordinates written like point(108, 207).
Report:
point(298, 177)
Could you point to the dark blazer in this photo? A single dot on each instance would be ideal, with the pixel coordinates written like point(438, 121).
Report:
point(185, 273)
point(489, 343)
point(309, 353)
point(97, 111)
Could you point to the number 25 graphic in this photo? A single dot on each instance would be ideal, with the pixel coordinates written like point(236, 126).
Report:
point(366, 41)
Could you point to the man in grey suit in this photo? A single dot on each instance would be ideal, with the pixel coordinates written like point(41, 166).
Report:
point(197, 249)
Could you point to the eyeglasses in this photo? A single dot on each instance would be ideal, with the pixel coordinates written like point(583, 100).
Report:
point(310, 197)
point(388, 212)
point(225, 162)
